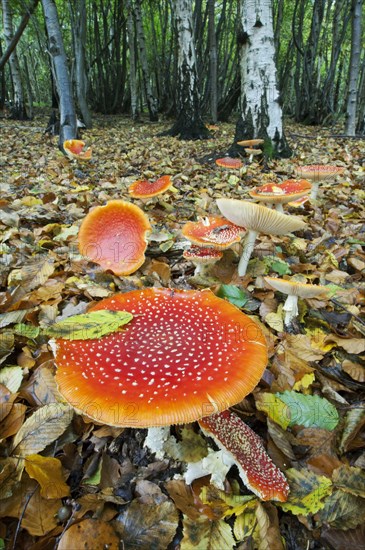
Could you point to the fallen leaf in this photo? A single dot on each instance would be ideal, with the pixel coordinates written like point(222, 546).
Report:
point(307, 491)
point(48, 472)
point(89, 533)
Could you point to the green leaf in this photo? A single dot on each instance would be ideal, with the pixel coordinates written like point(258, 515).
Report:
point(233, 294)
point(27, 331)
point(277, 265)
point(89, 325)
point(310, 411)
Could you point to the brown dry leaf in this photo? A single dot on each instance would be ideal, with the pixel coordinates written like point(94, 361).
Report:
point(38, 515)
point(206, 534)
point(267, 533)
point(89, 534)
point(6, 401)
point(162, 269)
point(11, 377)
point(183, 497)
point(353, 423)
point(355, 370)
point(147, 526)
point(13, 421)
point(303, 346)
point(48, 472)
point(6, 344)
point(42, 428)
point(10, 473)
point(41, 388)
point(351, 345)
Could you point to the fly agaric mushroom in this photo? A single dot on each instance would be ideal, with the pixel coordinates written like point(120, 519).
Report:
point(317, 173)
point(281, 193)
point(213, 231)
point(144, 189)
point(246, 450)
point(257, 219)
point(74, 149)
point(252, 153)
point(229, 162)
point(201, 257)
point(294, 290)
point(114, 236)
point(184, 354)
point(250, 142)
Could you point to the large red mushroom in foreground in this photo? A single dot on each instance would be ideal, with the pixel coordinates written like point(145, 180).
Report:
point(114, 236)
point(184, 355)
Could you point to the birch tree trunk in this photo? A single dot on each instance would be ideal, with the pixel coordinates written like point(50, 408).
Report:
point(18, 110)
point(132, 62)
point(213, 63)
point(261, 113)
point(78, 23)
point(189, 123)
point(354, 68)
point(56, 50)
point(151, 100)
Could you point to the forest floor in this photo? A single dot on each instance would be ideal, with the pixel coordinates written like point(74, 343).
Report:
point(64, 478)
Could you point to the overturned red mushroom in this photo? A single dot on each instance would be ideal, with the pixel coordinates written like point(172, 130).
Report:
point(184, 354)
point(74, 149)
point(281, 193)
point(145, 189)
point(213, 231)
point(257, 470)
point(202, 257)
point(114, 236)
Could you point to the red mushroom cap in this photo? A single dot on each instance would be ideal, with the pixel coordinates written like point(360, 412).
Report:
point(213, 231)
point(256, 468)
point(318, 172)
point(74, 149)
point(229, 162)
point(202, 255)
point(284, 192)
point(114, 236)
point(144, 189)
point(184, 354)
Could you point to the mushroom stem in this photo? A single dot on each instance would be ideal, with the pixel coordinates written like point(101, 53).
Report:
point(248, 246)
point(279, 207)
point(291, 309)
point(314, 190)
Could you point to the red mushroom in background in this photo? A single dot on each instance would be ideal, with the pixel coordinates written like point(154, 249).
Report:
point(317, 173)
point(213, 231)
point(229, 162)
point(74, 149)
point(281, 193)
point(144, 189)
point(202, 257)
point(114, 236)
point(184, 354)
point(238, 441)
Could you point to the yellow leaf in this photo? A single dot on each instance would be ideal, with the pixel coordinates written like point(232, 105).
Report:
point(48, 472)
point(304, 382)
point(274, 407)
point(307, 490)
point(275, 320)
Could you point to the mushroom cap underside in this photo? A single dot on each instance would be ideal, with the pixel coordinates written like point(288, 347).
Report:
point(213, 231)
point(295, 288)
point(144, 189)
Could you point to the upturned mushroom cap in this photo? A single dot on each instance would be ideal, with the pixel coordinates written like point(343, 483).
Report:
point(144, 189)
point(318, 172)
point(250, 142)
point(114, 236)
point(184, 354)
point(74, 149)
point(295, 288)
point(202, 255)
point(213, 231)
point(281, 193)
point(229, 162)
point(256, 468)
point(253, 152)
point(258, 218)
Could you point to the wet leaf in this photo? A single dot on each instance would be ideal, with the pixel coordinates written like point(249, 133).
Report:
point(89, 533)
point(307, 492)
point(11, 377)
point(350, 479)
point(89, 325)
point(342, 511)
point(210, 535)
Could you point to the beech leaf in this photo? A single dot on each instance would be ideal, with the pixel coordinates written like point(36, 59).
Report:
point(91, 325)
point(233, 294)
point(307, 490)
point(48, 472)
point(310, 411)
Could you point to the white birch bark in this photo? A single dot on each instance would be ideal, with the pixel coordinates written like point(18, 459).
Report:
point(261, 113)
point(132, 62)
point(56, 50)
point(354, 68)
point(18, 109)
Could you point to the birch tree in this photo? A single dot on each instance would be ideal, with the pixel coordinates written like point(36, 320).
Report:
point(132, 62)
point(68, 128)
point(354, 68)
point(189, 123)
point(18, 108)
point(261, 113)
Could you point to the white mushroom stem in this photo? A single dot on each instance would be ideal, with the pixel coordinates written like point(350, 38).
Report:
point(279, 207)
point(314, 190)
point(248, 246)
point(291, 309)
point(156, 439)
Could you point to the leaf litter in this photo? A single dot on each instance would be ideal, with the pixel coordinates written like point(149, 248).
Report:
point(64, 478)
